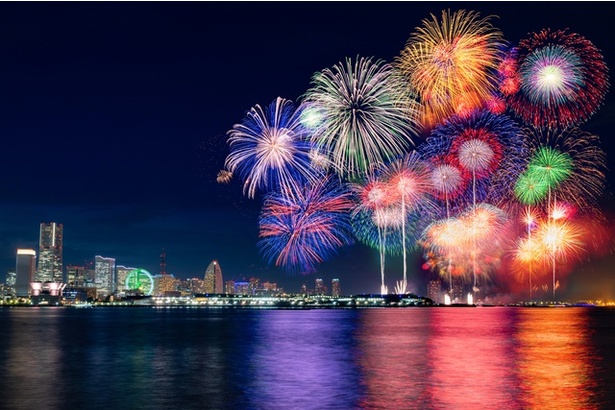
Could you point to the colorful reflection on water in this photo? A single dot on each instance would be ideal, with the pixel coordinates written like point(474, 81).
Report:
point(556, 366)
point(406, 358)
point(488, 358)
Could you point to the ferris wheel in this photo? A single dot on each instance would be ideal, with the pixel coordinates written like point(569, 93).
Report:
point(140, 280)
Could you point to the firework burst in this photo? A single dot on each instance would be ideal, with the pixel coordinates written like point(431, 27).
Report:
point(452, 63)
point(302, 230)
point(579, 168)
point(361, 115)
point(563, 79)
point(269, 149)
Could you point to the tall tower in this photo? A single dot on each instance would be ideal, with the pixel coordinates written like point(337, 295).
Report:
point(213, 279)
point(25, 267)
point(163, 262)
point(104, 275)
point(50, 253)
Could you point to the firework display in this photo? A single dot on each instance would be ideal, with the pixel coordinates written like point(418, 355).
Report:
point(467, 151)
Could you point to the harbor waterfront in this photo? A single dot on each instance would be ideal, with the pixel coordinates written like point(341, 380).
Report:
point(280, 301)
point(381, 358)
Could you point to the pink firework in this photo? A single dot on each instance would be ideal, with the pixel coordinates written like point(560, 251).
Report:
point(563, 79)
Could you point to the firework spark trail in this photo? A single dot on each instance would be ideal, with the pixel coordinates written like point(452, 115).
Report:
point(410, 183)
point(371, 214)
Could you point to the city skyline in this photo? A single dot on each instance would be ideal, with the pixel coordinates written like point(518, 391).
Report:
point(107, 277)
point(133, 113)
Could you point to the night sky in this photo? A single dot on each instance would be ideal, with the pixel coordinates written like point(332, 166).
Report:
point(113, 118)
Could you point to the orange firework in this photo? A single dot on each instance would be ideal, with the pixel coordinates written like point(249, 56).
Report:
point(452, 64)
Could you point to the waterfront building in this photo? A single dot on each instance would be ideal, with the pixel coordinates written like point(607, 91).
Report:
point(50, 253)
point(459, 294)
point(164, 284)
point(46, 293)
point(75, 276)
point(270, 286)
point(25, 271)
point(121, 273)
point(104, 269)
point(320, 288)
point(434, 290)
point(213, 278)
point(195, 285)
point(255, 285)
point(336, 290)
point(10, 279)
point(229, 287)
point(242, 288)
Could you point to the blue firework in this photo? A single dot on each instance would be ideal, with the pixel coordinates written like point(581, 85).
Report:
point(303, 229)
point(269, 149)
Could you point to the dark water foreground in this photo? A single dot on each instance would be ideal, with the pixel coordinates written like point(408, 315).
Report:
point(412, 358)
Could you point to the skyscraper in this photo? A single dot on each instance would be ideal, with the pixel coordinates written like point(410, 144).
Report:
point(50, 253)
point(105, 275)
point(75, 276)
point(335, 288)
point(434, 290)
point(319, 287)
point(213, 279)
point(25, 268)
point(121, 273)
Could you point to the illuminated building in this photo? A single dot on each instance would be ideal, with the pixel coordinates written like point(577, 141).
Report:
point(213, 279)
point(104, 281)
point(25, 270)
point(434, 290)
point(335, 288)
point(195, 285)
point(242, 288)
point(10, 279)
point(139, 282)
point(229, 287)
point(50, 253)
point(75, 276)
point(458, 295)
point(320, 288)
point(255, 284)
point(270, 286)
point(121, 273)
point(46, 293)
point(164, 284)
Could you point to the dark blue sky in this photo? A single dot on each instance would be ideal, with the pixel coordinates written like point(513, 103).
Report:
point(113, 118)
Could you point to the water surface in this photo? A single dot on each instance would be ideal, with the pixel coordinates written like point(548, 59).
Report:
point(380, 358)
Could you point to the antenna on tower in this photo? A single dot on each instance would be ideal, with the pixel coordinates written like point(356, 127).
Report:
point(163, 262)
